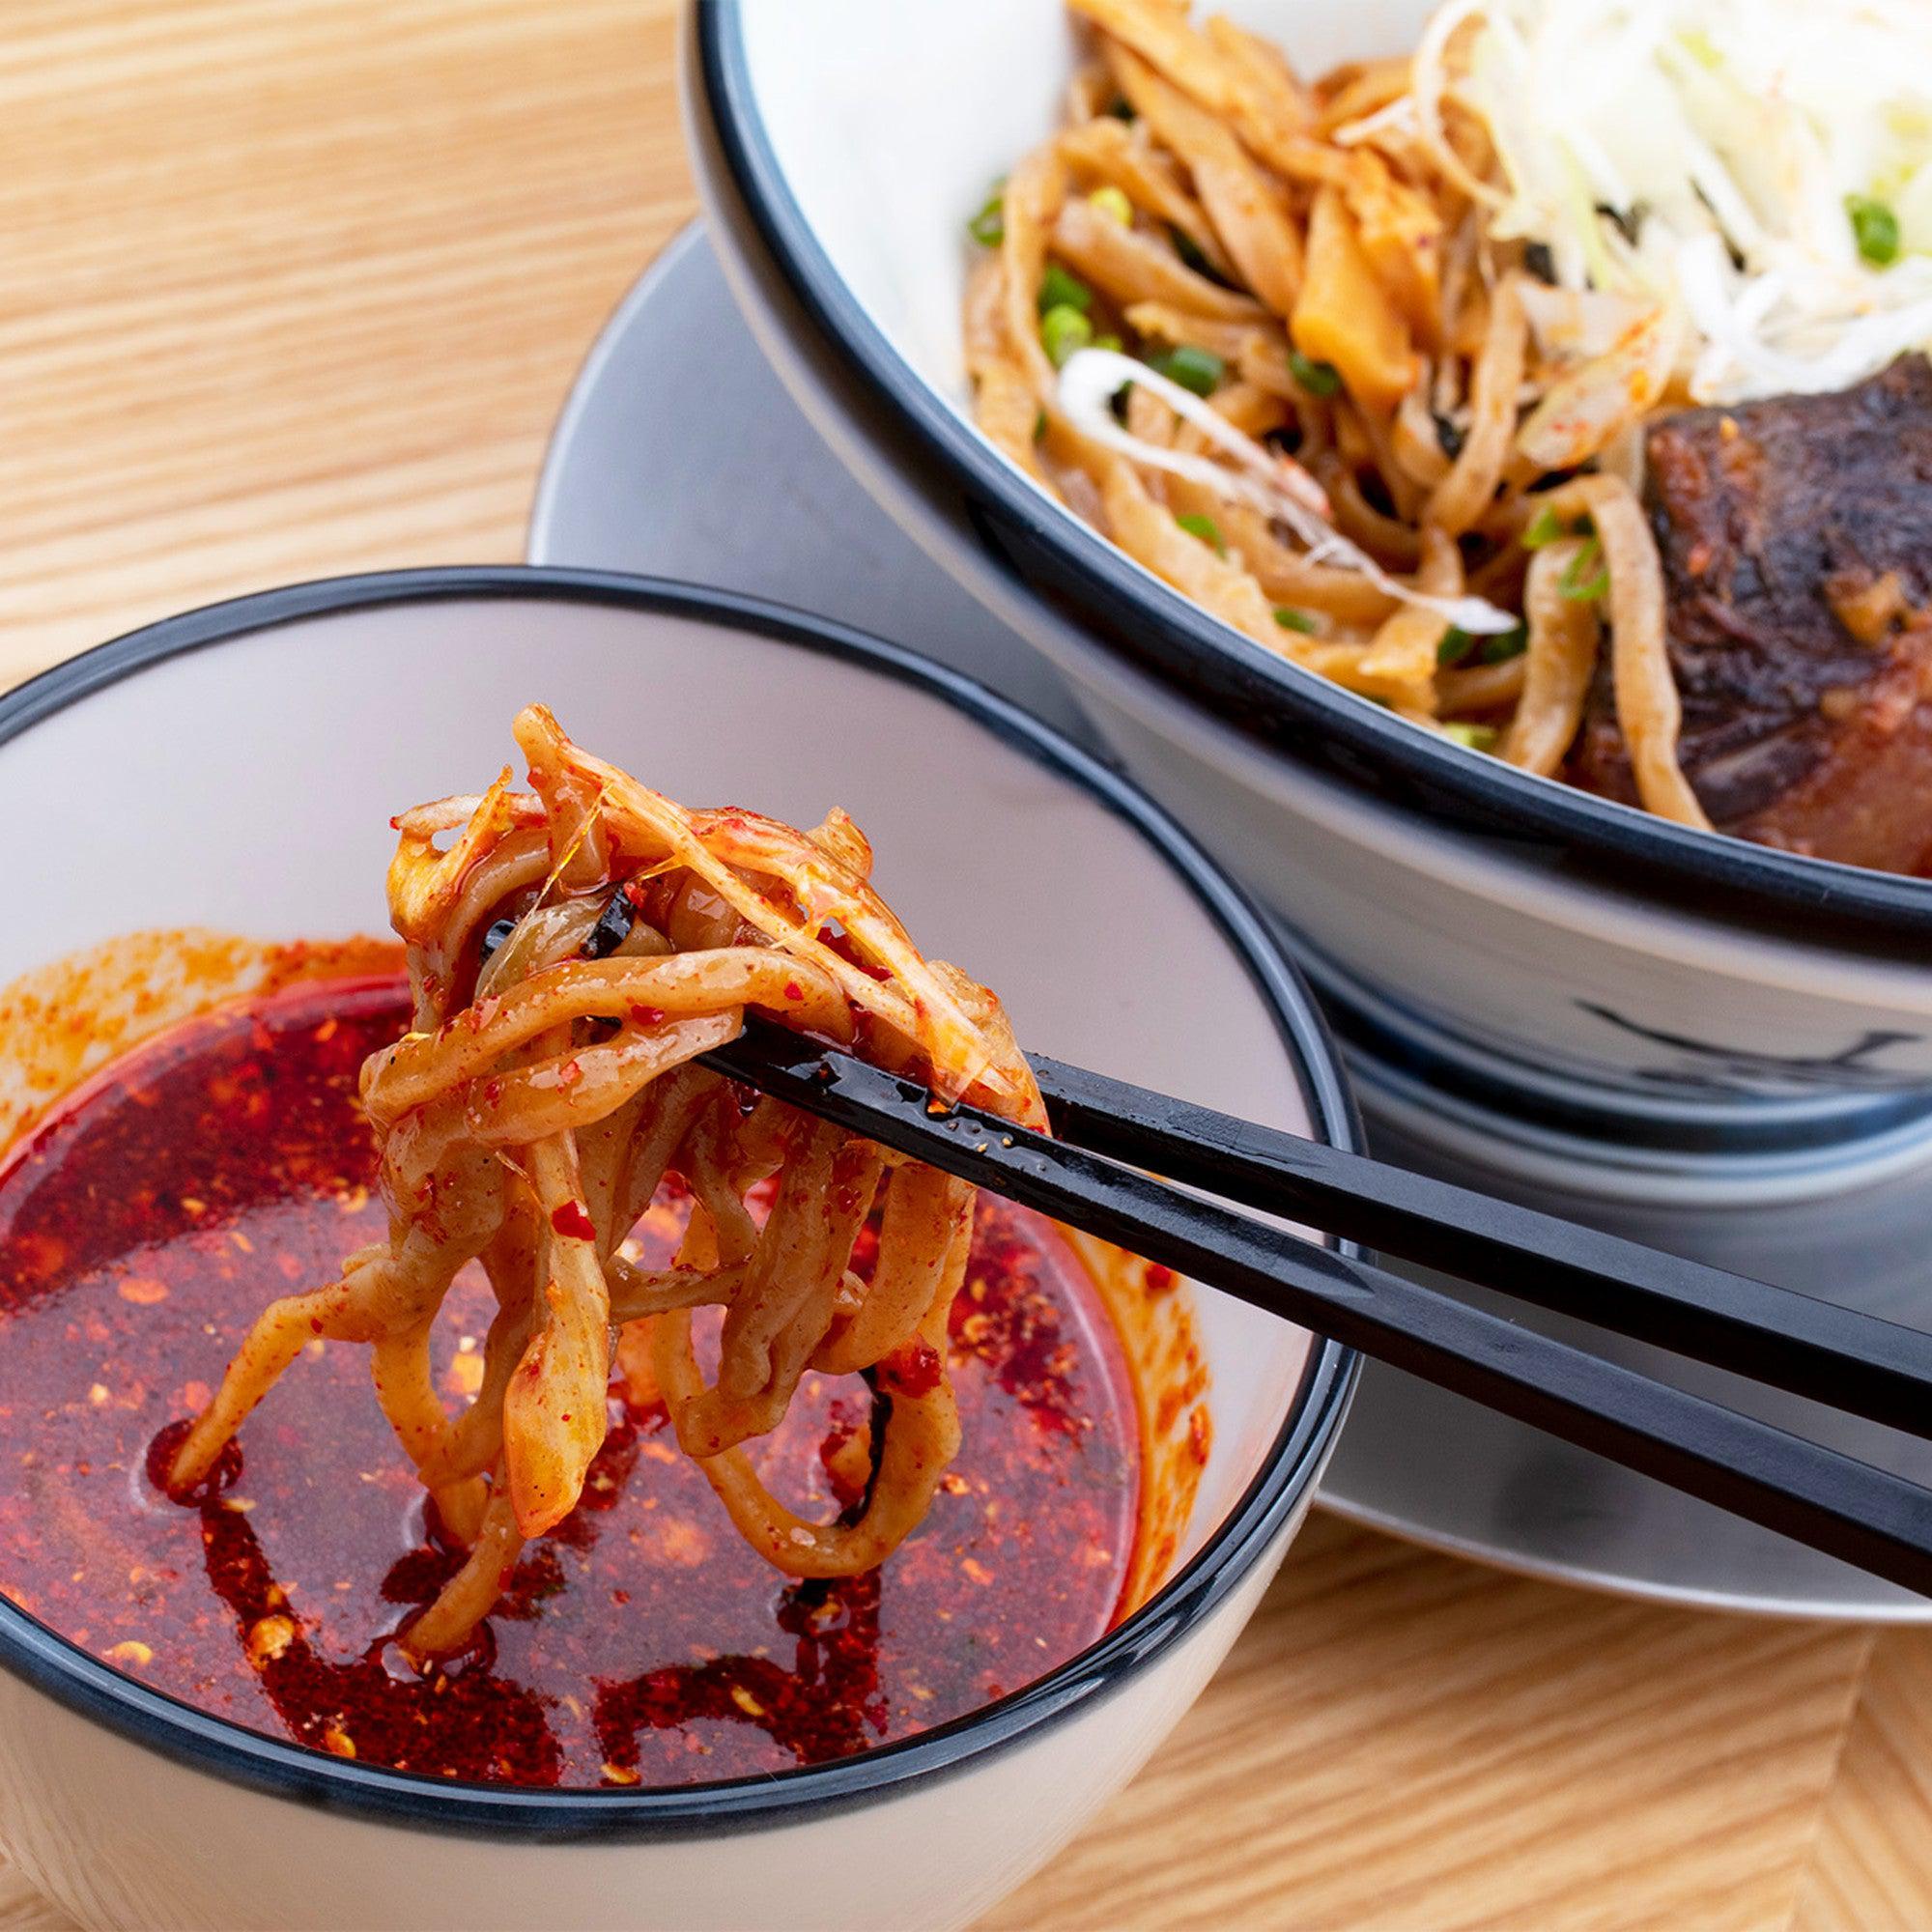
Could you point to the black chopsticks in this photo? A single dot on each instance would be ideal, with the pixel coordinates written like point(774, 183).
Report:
point(1849, 1361)
point(1794, 1342)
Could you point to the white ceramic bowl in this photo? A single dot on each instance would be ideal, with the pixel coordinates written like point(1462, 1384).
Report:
point(1503, 954)
point(237, 768)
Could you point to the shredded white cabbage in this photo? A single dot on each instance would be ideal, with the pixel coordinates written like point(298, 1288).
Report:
point(1730, 139)
point(1250, 473)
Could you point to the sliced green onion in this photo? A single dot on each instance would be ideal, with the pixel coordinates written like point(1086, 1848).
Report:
point(1478, 737)
point(1113, 203)
point(1198, 369)
point(1062, 331)
point(1194, 255)
point(1107, 339)
point(1291, 619)
point(1059, 290)
point(989, 226)
point(1038, 424)
point(1575, 586)
point(1493, 649)
point(1875, 227)
point(1701, 47)
point(1318, 379)
point(1204, 527)
point(1544, 527)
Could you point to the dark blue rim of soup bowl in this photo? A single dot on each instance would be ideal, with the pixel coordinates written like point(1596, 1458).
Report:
point(1555, 829)
point(48, 1662)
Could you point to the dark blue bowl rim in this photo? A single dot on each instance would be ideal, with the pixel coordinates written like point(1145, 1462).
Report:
point(35, 1653)
point(1782, 893)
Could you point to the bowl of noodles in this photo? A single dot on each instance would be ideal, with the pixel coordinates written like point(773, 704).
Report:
point(475, 1464)
point(1464, 460)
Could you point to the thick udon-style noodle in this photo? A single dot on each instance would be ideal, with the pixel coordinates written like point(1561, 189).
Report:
point(1326, 246)
point(571, 952)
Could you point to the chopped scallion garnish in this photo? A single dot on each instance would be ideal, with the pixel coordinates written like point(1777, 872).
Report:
point(1575, 585)
point(1197, 369)
point(1291, 619)
point(1113, 203)
point(1204, 527)
point(1544, 527)
point(1108, 340)
point(1498, 647)
point(1875, 228)
point(1478, 737)
point(1194, 255)
point(1062, 331)
point(989, 226)
point(1318, 379)
point(1059, 290)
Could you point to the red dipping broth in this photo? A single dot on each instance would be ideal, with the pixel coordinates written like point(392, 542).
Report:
point(225, 1162)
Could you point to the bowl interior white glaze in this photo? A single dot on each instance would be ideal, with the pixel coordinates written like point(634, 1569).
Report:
point(972, 90)
point(249, 787)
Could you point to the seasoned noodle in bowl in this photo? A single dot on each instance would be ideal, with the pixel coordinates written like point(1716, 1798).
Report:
point(1424, 878)
point(688, 687)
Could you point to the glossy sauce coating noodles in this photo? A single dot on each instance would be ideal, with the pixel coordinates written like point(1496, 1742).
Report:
point(571, 950)
point(225, 1161)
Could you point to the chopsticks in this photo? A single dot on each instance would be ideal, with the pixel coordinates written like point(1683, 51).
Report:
point(1835, 1355)
point(1854, 1363)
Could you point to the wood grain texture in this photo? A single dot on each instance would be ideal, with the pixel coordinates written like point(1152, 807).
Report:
point(299, 286)
point(296, 286)
point(1871, 1870)
point(1403, 1741)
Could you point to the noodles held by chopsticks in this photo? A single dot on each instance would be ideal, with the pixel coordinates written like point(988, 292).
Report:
point(572, 950)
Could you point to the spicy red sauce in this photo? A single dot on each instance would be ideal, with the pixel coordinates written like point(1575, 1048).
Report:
point(145, 1223)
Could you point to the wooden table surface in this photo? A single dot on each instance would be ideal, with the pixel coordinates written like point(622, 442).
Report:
point(292, 287)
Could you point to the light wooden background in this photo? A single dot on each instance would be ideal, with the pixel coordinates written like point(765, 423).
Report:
point(290, 287)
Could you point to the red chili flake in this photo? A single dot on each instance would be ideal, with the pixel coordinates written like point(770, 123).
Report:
point(574, 1222)
point(814, 1677)
point(793, 990)
point(569, 1073)
point(911, 1370)
point(647, 1016)
point(38, 1253)
point(841, 944)
point(1156, 1279)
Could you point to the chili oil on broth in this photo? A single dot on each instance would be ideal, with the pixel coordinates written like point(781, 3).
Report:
point(145, 1218)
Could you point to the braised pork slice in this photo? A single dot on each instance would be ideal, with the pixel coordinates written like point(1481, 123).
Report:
point(1797, 542)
